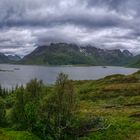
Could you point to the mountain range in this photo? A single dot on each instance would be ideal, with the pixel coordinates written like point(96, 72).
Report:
point(9, 58)
point(72, 54)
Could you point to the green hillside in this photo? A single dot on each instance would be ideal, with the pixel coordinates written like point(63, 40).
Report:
point(135, 61)
point(105, 109)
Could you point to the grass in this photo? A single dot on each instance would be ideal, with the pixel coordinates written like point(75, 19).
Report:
point(16, 135)
point(117, 101)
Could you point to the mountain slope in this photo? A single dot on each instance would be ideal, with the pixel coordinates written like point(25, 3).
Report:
point(57, 54)
point(135, 61)
point(108, 57)
point(14, 57)
point(4, 58)
point(71, 54)
point(11, 59)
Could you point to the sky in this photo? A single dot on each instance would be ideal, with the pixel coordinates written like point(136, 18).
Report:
point(107, 24)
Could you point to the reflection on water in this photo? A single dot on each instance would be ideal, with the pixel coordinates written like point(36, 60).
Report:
point(12, 75)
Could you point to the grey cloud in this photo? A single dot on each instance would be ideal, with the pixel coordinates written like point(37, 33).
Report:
point(26, 14)
point(25, 24)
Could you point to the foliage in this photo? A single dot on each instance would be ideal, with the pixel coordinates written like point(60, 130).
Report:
point(18, 112)
point(58, 110)
point(2, 112)
point(104, 109)
point(24, 112)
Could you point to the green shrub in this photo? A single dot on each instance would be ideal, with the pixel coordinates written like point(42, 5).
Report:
point(2, 112)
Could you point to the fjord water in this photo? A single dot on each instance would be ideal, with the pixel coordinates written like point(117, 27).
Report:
point(12, 75)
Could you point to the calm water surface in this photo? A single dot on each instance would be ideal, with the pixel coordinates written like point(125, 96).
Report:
point(21, 74)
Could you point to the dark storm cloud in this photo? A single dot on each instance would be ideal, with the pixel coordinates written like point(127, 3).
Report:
point(24, 24)
point(113, 4)
point(16, 15)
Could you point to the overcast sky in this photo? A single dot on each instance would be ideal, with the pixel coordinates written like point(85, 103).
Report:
point(111, 24)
